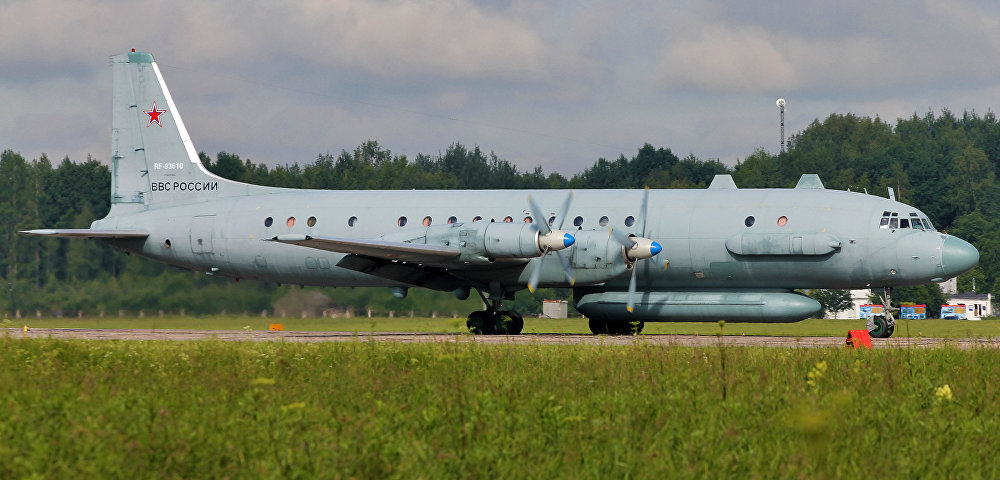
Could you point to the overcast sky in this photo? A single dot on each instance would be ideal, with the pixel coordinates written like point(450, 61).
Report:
point(557, 84)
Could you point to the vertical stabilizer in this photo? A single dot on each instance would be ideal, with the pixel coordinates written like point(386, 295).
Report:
point(153, 159)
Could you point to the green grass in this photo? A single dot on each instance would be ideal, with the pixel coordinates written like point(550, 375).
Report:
point(805, 328)
point(365, 409)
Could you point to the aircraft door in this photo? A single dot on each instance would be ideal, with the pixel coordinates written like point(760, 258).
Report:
point(202, 231)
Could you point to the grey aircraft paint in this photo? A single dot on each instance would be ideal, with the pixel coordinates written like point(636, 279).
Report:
point(727, 253)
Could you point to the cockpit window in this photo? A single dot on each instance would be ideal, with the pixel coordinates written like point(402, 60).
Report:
point(892, 220)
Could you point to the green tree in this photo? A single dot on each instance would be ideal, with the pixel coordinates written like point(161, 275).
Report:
point(832, 301)
point(927, 294)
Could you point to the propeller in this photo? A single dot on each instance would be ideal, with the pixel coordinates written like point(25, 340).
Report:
point(636, 247)
point(552, 240)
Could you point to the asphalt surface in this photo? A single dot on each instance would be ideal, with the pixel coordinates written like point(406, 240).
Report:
point(531, 338)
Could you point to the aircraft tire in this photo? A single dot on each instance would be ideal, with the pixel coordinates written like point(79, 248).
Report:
point(508, 323)
point(881, 328)
point(604, 327)
point(478, 324)
point(598, 327)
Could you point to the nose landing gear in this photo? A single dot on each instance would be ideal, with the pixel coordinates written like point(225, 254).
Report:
point(882, 326)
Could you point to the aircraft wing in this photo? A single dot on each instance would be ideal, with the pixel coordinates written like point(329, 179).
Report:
point(403, 251)
point(86, 233)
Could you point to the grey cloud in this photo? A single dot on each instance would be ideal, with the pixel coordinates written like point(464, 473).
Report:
point(556, 84)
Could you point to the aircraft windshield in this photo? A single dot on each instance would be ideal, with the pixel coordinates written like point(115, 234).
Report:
point(914, 220)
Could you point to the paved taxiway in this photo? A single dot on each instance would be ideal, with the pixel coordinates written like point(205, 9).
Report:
point(539, 338)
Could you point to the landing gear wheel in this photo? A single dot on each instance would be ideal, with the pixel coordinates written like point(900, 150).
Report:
point(598, 327)
point(879, 327)
point(480, 323)
point(507, 323)
point(503, 322)
point(604, 327)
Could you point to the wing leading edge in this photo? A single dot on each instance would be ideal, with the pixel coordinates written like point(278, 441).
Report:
point(439, 255)
point(86, 233)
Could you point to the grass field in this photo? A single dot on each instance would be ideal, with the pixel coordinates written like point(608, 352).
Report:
point(806, 328)
point(365, 409)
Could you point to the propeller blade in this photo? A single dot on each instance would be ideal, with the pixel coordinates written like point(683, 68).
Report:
point(640, 223)
point(552, 239)
point(536, 275)
point(567, 269)
point(564, 211)
point(631, 291)
point(622, 238)
point(543, 224)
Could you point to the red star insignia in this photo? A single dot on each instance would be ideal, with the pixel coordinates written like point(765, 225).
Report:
point(154, 115)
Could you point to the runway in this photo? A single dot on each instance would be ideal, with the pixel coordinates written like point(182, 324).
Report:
point(531, 338)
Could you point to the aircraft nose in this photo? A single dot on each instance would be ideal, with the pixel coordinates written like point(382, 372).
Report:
point(957, 256)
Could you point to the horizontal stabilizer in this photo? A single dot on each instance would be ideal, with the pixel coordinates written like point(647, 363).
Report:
point(408, 252)
point(86, 233)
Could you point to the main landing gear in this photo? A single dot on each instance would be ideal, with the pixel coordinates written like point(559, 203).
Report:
point(604, 327)
point(882, 326)
point(493, 320)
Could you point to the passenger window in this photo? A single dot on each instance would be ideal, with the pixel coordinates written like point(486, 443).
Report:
point(268, 221)
point(476, 218)
point(311, 222)
point(527, 219)
point(508, 219)
point(552, 220)
point(604, 221)
point(452, 220)
point(577, 221)
point(749, 221)
point(290, 222)
point(352, 221)
point(629, 221)
point(782, 221)
point(401, 222)
point(427, 221)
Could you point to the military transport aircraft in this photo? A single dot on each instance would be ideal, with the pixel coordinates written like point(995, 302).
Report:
point(631, 256)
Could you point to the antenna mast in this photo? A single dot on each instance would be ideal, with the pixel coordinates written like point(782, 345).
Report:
point(781, 108)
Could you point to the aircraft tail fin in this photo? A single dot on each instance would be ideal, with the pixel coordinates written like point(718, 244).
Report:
point(153, 159)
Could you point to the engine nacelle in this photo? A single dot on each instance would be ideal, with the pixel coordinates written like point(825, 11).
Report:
point(487, 242)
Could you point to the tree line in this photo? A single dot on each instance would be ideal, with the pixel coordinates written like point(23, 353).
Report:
point(944, 164)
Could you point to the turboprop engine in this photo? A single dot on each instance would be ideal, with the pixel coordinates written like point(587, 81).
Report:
point(489, 242)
